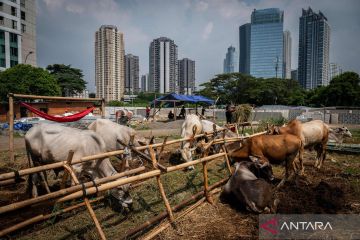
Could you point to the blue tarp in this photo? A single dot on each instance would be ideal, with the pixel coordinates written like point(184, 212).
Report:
point(181, 99)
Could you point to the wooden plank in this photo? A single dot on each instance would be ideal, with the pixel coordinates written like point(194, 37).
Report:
point(11, 129)
point(55, 98)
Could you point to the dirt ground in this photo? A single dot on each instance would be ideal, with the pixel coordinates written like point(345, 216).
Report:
point(333, 189)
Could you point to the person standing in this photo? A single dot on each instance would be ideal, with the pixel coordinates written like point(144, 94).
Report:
point(147, 112)
point(228, 113)
point(203, 111)
point(182, 112)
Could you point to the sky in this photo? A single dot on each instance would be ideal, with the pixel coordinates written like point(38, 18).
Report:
point(202, 30)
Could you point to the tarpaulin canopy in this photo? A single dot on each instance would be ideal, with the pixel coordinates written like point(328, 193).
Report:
point(179, 99)
point(71, 118)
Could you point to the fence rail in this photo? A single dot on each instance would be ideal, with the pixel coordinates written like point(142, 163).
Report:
point(107, 183)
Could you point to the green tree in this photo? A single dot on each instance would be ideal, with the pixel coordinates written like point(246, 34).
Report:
point(343, 90)
point(69, 79)
point(240, 88)
point(25, 79)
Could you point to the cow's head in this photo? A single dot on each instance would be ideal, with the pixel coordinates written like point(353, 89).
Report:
point(120, 199)
point(343, 131)
point(273, 130)
point(261, 170)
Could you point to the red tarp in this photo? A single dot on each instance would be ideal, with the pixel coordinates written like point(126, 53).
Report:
point(72, 118)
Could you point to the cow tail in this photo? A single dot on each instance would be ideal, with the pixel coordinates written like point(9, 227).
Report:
point(30, 179)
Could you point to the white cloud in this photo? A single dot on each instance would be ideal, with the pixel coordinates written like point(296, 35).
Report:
point(201, 6)
point(207, 30)
point(75, 8)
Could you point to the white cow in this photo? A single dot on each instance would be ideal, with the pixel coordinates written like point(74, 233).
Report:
point(193, 125)
point(49, 143)
point(339, 134)
point(113, 133)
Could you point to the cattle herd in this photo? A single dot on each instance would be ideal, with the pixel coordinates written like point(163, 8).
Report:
point(250, 183)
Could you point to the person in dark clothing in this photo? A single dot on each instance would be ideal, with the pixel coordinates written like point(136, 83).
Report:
point(171, 115)
point(228, 113)
point(203, 111)
point(182, 112)
point(147, 112)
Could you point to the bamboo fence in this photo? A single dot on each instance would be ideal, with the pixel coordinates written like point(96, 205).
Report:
point(103, 184)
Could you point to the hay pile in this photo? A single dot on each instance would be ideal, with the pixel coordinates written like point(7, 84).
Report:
point(242, 113)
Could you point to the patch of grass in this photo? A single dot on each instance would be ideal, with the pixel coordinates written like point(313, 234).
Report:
point(352, 170)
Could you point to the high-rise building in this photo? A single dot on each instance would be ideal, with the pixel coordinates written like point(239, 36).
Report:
point(314, 40)
point(109, 63)
point(145, 83)
point(266, 43)
point(230, 61)
point(186, 76)
point(294, 75)
point(334, 70)
point(17, 33)
point(244, 48)
point(131, 73)
point(163, 65)
point(287, 55)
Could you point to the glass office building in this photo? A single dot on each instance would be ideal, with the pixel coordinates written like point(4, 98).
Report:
point(266, 43)
point(244, 46)
point(314, 41)
point(230, 61)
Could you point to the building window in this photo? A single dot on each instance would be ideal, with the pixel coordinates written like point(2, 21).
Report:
point(2, 49)
point(23, 28)
point(13, 63)
point(14, 24)
point(2, 35)
point(1, 6)
point(13, 51)
point(2, 62)
point(14, 1)
point(23, 15)
point(13, 38)
point(1, 20)
point(13, 11)
point(22, 3)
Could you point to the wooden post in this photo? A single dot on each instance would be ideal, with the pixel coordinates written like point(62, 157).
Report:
point(206, 180)
point(227, 160)
point(175, 110)
point(68, 167)
point(11, 128)
point(103, 108)
point(161, 187)
point(66, 174)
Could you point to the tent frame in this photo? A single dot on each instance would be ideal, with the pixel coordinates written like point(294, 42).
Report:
point(11, 97)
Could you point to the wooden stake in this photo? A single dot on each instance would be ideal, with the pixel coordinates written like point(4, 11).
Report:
point(227, 160)
point(87, 203)
point(42, 217)
point(11, 128)
point(66, 173)
point(103, 108)
point(161, 187)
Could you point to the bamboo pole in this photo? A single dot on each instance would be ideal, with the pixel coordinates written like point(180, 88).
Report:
point(187, 164)
point(161, 187)
point(206, 184)
point(56, 98)
point(42, 217)
point(32, 170)
point(87, 202)
point(66, 191)
point(66, 173)
point(227, 160)
point(174, 209)
point(142, 176)
point(103, 108)
point(165, 225)
point(110, 185)
point(11, 128)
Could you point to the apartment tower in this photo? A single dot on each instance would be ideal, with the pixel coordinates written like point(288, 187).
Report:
point(109, 63)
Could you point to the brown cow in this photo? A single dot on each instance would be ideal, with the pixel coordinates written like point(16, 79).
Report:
point(273, 149)
point(313, 134)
